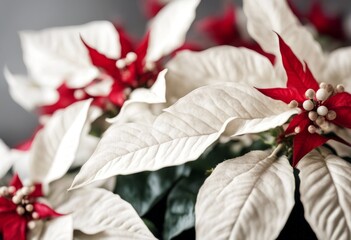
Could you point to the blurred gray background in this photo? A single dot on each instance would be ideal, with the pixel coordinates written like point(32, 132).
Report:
point(15, 123)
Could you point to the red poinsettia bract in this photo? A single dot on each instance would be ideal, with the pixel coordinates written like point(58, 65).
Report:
point(322, 105)
point(128, 72)
point(325, 23)
point(224, 30)
point(152, 7)
point(19, 209)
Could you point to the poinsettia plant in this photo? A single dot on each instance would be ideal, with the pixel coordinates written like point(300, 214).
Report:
point(97, 60)
point(225, 143)
point(302, 102)
point(36, 203)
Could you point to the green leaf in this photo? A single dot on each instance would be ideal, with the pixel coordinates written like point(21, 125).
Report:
point(143, 190)
point(213, 156)
point(99, 125)
point(151, 226)
point(180, 212)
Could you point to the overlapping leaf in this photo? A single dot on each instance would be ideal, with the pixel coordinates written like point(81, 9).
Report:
point(59, 228)
point(249, 197)
point(338, 69)
point(27, 93)
point(143, 190)
point(5, 160)
point(55, 146)
point(97, 211)
point(180, 212)
point(266, 17)
point(189, 70)
point(142, 101)
point(326, 194)
point(168, 29)
point(183, 132)
point(58, 54)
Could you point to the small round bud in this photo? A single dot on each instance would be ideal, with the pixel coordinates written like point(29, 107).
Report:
point(323, 85)
point(20, 210)
point(120, 63)
point(11, 189)
point(322, 110)
point(312, 116)
point(31, 225)
point(293, 104)
point(330, 88)
point(28, 182)
point(32, 188)
point(35, 215)
point(29, 207)
point(3, 191)
point(320, 120)
point(312, 129)
point(331, 115)
point(322, 94)
point(79, 94)
point(297, 130)
point(16, 199)
point(26, 190)
point(308, 105)
point(127, 91)
point(150, 66)
point(131, 57)
point(325, 127)
point(19, 194)
point(340, 88)
point(310, 93)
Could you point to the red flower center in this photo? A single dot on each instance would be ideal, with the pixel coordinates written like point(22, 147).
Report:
point(316, 109)
point(322, 106)
point(128, 72)
point(20, 209)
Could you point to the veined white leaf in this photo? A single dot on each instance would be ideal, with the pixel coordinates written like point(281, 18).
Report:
point(183, 132)
point(96, 211)
point(58, 54)
point(102, 88)
point(21, 164)
point(60, 228)
point(55, 146)
point(264, 18)
point(326, 194)
point(58, 194)
point(169, 27)
point(249, 197)
point(341, 149)
point(27, 93)
point(108, 234)
point(5, 159)
point(87, 142)
point(189, 70)
point(142, 103)
point(338, 69)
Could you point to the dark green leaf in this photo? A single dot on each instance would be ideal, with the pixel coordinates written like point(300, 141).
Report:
point(214, 155)
point(180, 212)
point(151, 226)
point(143, 190)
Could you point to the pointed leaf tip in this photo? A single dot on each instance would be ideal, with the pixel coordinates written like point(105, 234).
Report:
point(298, 73)
point(325, 194)
point(183, 131)
point(54, 147)
point(255, 191)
